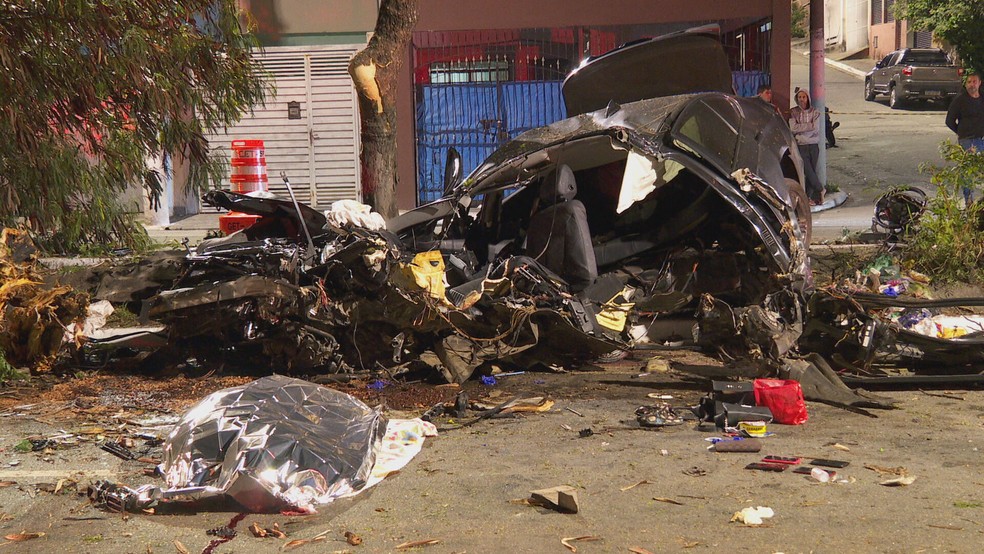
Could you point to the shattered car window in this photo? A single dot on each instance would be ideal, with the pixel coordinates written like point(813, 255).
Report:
point(646, 116)
point(710, 128)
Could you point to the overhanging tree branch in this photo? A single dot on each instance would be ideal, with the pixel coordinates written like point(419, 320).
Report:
point(89, 91)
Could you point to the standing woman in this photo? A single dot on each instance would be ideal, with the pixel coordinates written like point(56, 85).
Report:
point(804, 121)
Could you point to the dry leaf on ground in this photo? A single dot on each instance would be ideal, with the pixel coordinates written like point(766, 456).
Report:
point(18, 537)
point(414, 544)
point(947, 527)
point(180, 547)
point(900, 471)
point(643, 482)
point(567, 541)
point(301, 542)
point(257, 531)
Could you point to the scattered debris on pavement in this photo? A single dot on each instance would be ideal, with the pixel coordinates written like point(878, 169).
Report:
point(753, 516)
point(562, 498)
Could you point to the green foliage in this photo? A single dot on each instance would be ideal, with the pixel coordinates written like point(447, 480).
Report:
point(7, 371)
point(948, 244)
point(799, 19)
point(122, 317)
point(90, 91)
point(958, 22)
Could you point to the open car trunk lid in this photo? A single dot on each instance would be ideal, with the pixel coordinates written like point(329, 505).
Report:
point(679, 63)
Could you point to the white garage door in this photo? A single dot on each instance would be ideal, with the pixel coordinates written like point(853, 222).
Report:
point(319, 152)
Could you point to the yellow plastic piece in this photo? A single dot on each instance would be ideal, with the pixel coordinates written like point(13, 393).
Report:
point(613, 314)
point(753, 428)
point(952, 332)
point(427, 271)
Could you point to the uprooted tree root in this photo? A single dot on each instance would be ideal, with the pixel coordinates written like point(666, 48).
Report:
point(33, 317)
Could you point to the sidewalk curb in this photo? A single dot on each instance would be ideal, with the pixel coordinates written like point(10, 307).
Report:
point(841, 66)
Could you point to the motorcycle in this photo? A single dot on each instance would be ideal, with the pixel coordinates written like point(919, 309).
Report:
point(831, 139)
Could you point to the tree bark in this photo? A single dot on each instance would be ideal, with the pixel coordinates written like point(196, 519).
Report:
point(375, 71)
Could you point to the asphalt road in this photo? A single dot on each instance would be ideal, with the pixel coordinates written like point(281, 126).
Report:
point(877, 147)
point(644, 490)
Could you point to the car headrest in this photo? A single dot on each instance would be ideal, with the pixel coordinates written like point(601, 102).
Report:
point(558, 186)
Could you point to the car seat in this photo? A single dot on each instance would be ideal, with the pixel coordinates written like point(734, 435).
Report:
point(558, 236)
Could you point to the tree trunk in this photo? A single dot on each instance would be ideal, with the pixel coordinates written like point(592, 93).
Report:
point(375, 71)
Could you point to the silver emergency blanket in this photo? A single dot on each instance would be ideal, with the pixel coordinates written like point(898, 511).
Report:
point(274, 444)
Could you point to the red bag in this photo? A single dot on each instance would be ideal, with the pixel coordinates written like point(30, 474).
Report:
point(784, 397)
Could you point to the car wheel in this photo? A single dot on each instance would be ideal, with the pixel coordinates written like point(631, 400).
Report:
point(894, 101)
point(802, 208)
point(869, 91)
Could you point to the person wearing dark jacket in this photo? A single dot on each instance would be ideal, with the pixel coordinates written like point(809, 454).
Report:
point(966, 118)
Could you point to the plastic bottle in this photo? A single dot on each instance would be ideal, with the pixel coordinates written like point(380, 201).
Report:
point(820, 475)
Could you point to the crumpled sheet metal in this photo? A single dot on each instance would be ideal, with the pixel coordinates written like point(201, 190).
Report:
point(276, 443)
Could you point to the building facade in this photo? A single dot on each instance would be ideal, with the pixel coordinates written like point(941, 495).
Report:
point(476, 74)
point(846, 25)
point(888, 34)
point(310, 123)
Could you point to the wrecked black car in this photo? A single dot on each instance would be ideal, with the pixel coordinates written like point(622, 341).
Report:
point(656, 201)
point(674, 196)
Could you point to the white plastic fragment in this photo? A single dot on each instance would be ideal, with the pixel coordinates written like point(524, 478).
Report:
point(753, 516)
point(903, 481)
point(820, 475)
point(353, 212)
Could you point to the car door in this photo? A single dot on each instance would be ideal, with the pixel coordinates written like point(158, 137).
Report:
point(883, 74)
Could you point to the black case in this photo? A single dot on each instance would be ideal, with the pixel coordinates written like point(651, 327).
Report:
point(730, 415)
point(734, 392)
point(730, 403)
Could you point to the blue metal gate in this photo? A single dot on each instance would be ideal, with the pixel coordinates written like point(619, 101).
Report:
point(476, 119)
point(475, 90)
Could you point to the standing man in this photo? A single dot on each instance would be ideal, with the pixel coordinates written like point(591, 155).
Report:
point(804, 121)
point(966, 118)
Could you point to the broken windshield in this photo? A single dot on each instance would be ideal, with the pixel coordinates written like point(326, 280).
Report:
point(645, 118)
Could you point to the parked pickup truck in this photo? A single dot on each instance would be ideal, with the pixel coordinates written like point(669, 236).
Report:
point(914, 73)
